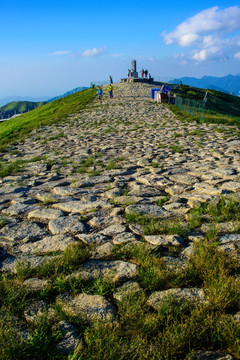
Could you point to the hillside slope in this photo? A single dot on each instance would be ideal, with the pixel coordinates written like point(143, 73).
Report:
point(18, 107)
point(50, 113)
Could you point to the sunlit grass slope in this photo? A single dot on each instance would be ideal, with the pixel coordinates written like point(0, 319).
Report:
point(51, 113)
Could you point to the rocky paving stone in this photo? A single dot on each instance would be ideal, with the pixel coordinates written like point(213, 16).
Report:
point(66, 224)
point(228, 238)
point(17, 209)
point(70, 339)
point(210, 355)
point(82, 207)
point(123, 238)
point(116, 271)
point(44, 214)
point(87, 307)
point(191, 295)
point(35, 284)
point(48, 244)
point(165, 240)
point(36, 309)
point(151, 210)
point(129, 288)
point(95, 239)
point(24, 231)
point(114, 230)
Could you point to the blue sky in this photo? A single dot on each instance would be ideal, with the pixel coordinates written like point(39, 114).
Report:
point(49, 47)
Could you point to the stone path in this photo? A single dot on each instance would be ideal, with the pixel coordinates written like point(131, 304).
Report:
point(118, 156)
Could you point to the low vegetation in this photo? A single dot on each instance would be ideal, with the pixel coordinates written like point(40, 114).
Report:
point(51, 113)
point(220, 108)
point(172, 331)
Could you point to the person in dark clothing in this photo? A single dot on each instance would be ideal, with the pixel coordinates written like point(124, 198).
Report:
point(146, 73)
point(111, 80)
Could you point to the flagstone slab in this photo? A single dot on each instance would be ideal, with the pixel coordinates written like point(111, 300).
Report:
point(164, 240)
point(87, 307)
point(44, 214)
point(82, 207)
point(151, 210)
point(66, 224)
point(24, 231)
point(190, 295)
point(116, 271)
point(48, 245)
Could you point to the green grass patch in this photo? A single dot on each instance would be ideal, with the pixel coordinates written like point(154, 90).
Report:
point(51, 113)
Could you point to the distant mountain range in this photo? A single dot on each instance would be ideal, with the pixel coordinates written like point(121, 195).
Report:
point(227, 84)
point(73, 91)
point(12, 105)
point(9, 99)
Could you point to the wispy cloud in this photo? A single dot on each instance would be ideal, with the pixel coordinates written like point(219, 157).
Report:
point(61, 52)
point(93, 52)
point(211, 34)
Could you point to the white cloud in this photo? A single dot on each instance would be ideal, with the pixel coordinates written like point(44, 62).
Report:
point(93, 52)
point(237, 55)
point(209, 33)
point(61, 52)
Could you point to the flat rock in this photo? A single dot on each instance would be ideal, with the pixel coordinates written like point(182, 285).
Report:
point(70, 338)
point(65, 190)
point(82, 207)
point(228, 238)
point(36, 309)
point(44, 214)
point(88, 307)
point(66, 224)
point(35, 284)
point(48, 244)
point(114, 230)
point(22, 231)
point(17, 209)
point(190, 295)
point(96, 239)
point(124, 238)
point(164, 240)
point(116, 271)
point(103, 251)
point(232, 186)
point(151, 210)
point(126, 289)
point(210, 355)
point(184, 179)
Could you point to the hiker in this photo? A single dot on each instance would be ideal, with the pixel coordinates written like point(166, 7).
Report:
point(110, 89)
point(142, 72)
point(146, 73)
point(129, 73)
point(100, 92)
point(111, 80)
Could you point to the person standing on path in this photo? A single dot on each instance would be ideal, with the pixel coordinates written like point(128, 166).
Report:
point(111, 80)
point(146, 73)
point(100, 92)
point(142, 72)
point(110, 89)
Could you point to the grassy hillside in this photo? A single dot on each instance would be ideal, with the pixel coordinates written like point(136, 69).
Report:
point(220, 107)
point(54, 112)
point(18, 107)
